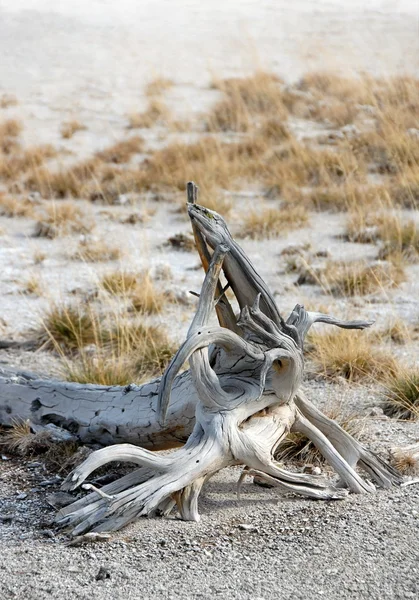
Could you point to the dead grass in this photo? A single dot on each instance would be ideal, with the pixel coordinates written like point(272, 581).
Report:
point(264, 223)
point(22, 440)
point(358, 279)
point(404, 190)
point(33, 286)
point(348, 196)
point(401, 239)
point(120, 282)
point(121, 151)
point(158, 85)
point(61, 218)
point(19, 161)
point(156, 112)
point(137, 288)
point(401, 395)
point(104, 347)
point(10, 128)
point(298, 448)
point(396, 331)
point(69, 128)
point(244, 100)
point(301, 165)
point(145, 298)
point(96, 250)
point(7, 100)
point(70, 182)
point(12, 206)
point(69, 327)
point(181, 241)
point(350, 355)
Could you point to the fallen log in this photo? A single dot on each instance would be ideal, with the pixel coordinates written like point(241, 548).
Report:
point(239, 399)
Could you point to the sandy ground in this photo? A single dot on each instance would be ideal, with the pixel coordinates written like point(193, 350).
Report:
point(92, 60)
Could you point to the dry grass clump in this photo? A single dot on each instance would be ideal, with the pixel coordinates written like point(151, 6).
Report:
point(400, 239)
point(321, 83)
point(157, 86)
point(22, 440)
point(7, 100)
point(69, 327)
point(105, 349)
point(137, 288)
point(401, 395)
point(120, 282)
point(134, 353)
point(69, 128)
point(10, 128)
point(297, 447)
point(396, 331)
point(182, 241)
point(204, 161)
point(350, 355)
point(265, 223)
point(145, 298)
point(61, 218)
point(301, 165)
point(96, 250)
point(70, 182)
point(357, 278)
point(156, 113)
point(406, 459)
point(33, 286)
point(347, 197)
point(19, 161)
point(12, 206)
point(121, 151)
point(404, 190)
point(245, 99)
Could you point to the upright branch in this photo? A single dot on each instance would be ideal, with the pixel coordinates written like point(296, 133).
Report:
point(248, 399)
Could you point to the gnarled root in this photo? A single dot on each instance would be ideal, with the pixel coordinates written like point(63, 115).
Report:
point(350, 450)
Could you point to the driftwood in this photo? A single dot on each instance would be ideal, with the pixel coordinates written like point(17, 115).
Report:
point(239, 399)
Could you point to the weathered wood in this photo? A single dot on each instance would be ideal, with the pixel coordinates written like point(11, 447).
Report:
point(101, 414)
point(234, 406)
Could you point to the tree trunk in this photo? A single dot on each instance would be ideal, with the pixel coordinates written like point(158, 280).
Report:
point(101, 414)
point(234, 406)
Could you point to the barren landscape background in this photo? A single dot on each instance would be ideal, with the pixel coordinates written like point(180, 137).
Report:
point(300, 124)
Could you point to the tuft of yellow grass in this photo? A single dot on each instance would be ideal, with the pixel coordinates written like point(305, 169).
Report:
point(401, 395)
point(158, 85)
point(121, 151)
point(10, 128)
point(351, 355)
point(137, 288)
point(69, 128)
point(358, 279)
point(244, 99)
point(7, 100)
point(33, 286)
point(264, 223)
point(156, 112)
point(69, 327)
point(96, 250)
point(120, 282)
point(61, 218)
point(102, 346)
point(70, 182)
point(13, 206)
point(19, 161)
point(145, 298)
